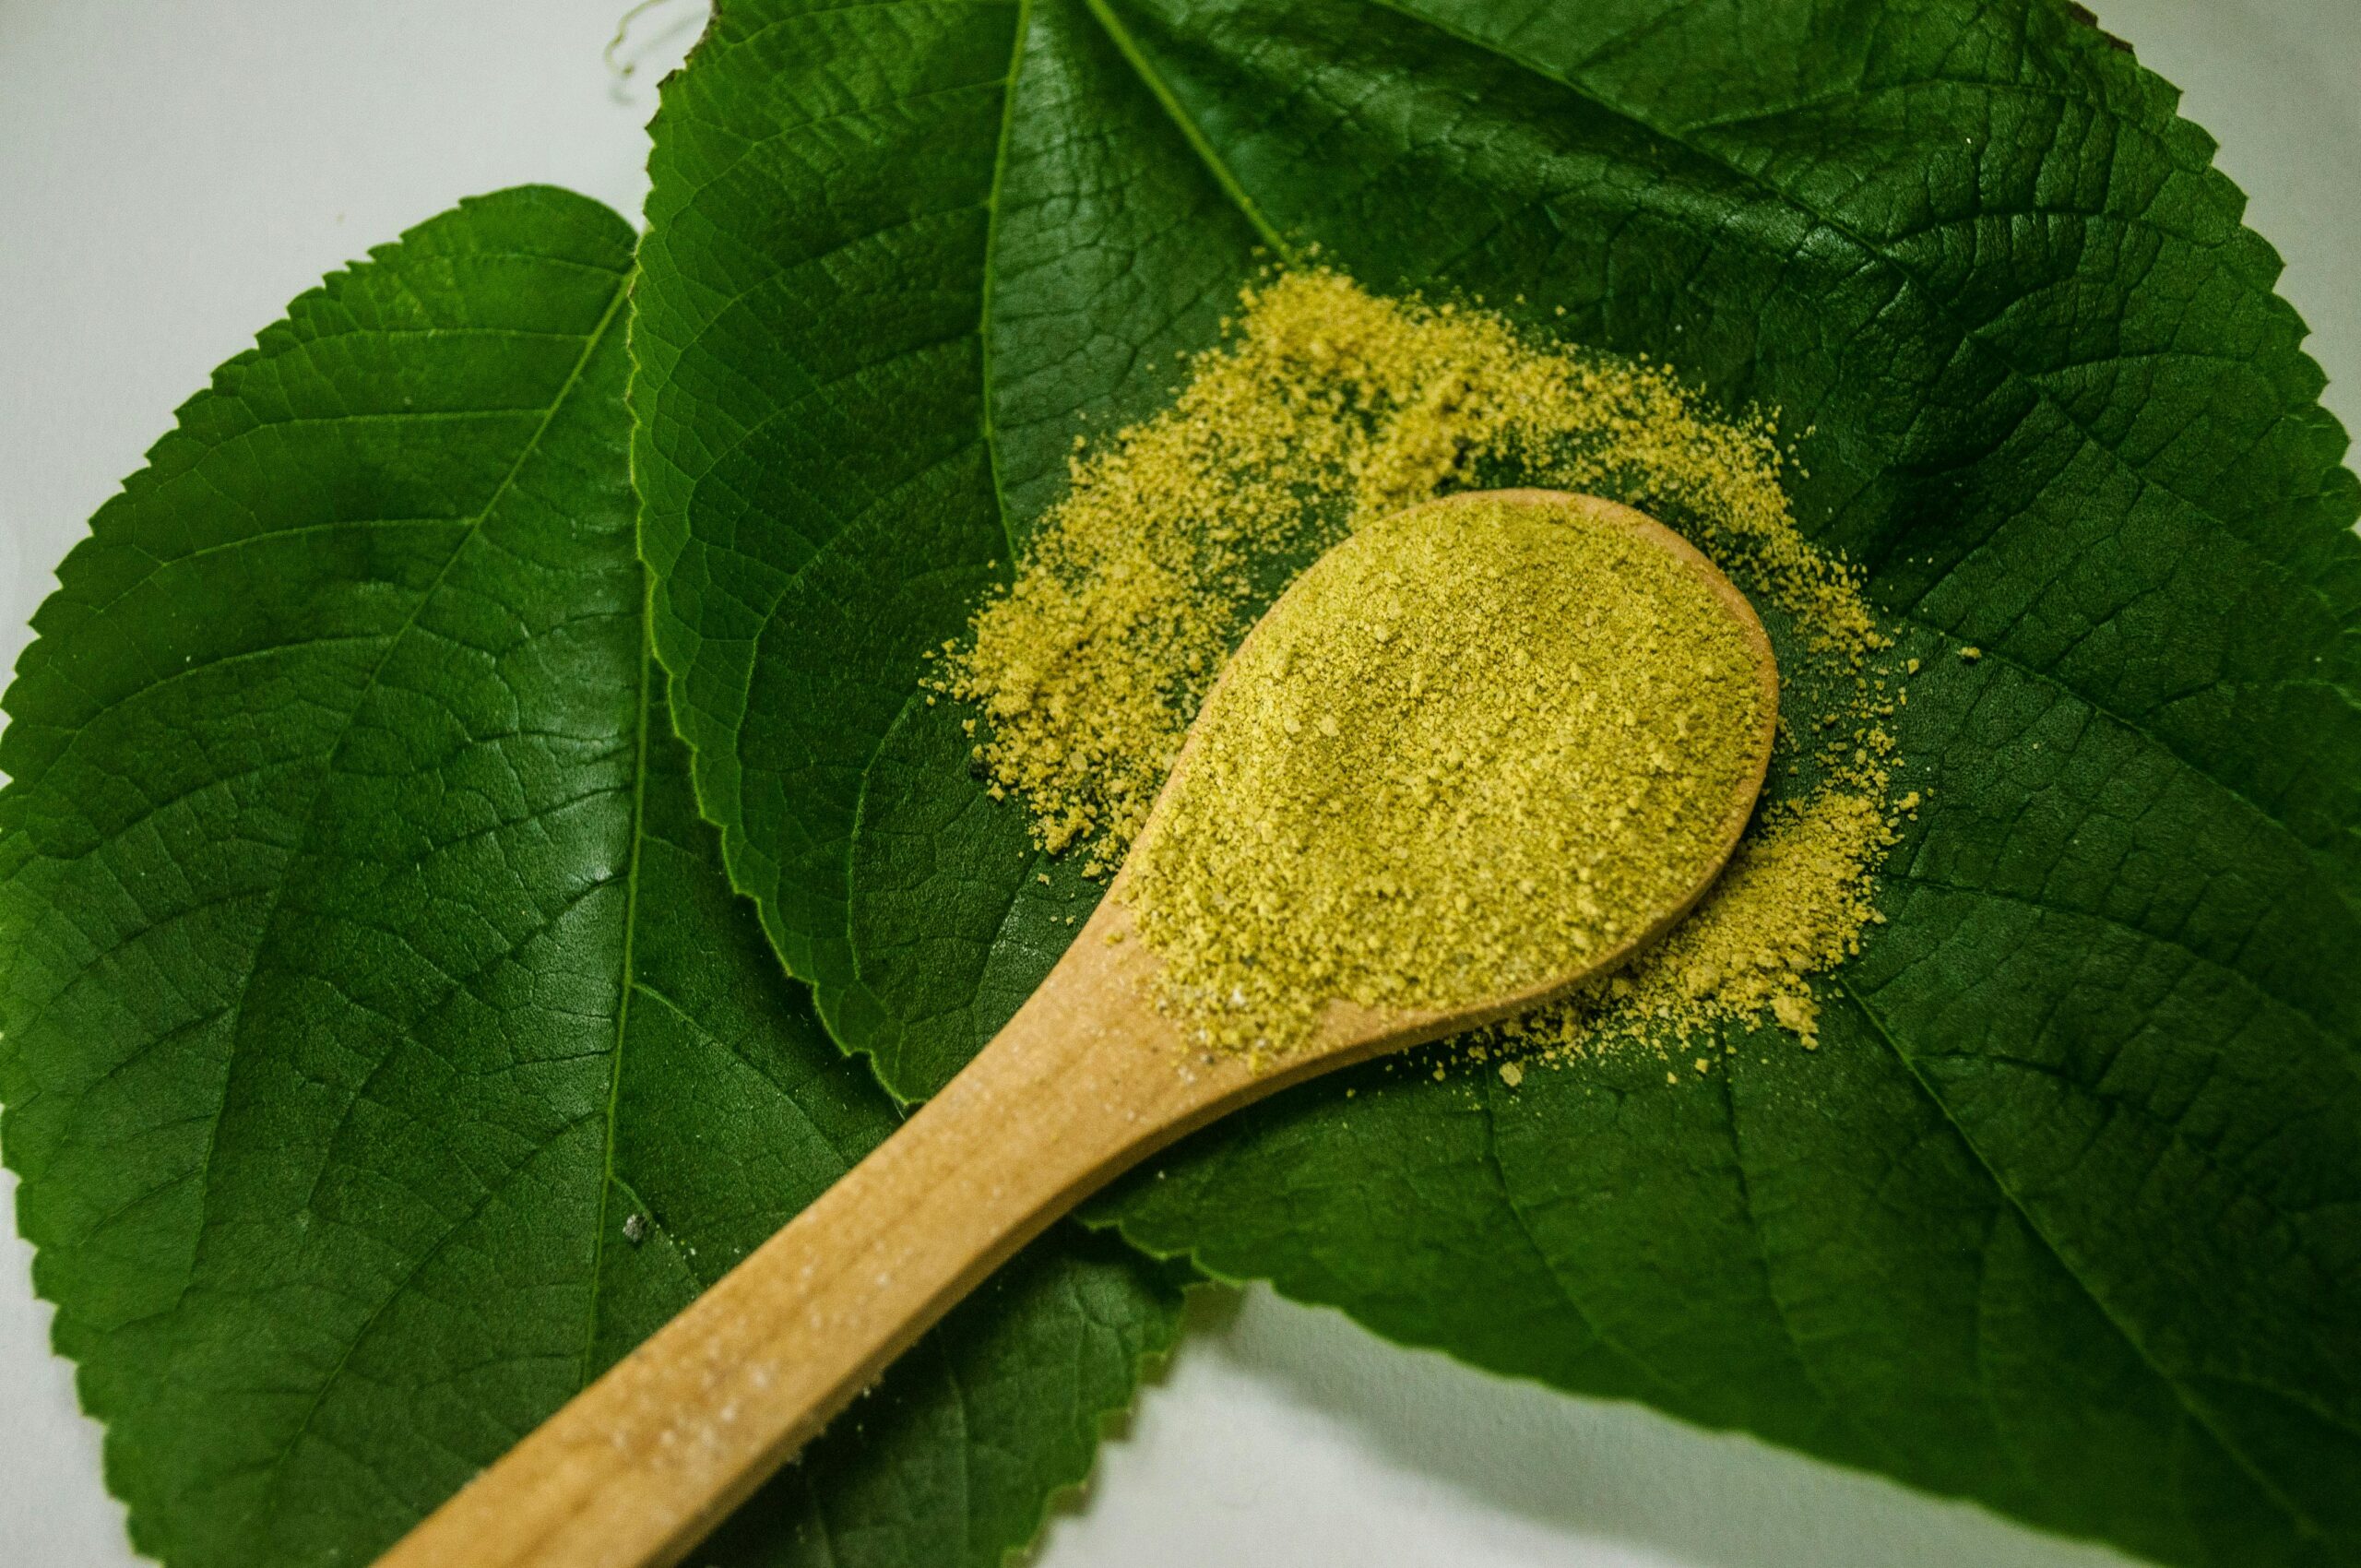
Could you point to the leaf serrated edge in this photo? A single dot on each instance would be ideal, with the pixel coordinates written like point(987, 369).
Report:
point(223, 384)
point(1145, 1367)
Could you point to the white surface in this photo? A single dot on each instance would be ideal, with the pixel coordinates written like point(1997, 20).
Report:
point(171, 175)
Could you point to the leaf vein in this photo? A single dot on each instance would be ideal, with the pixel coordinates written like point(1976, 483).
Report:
point(2303, 1520)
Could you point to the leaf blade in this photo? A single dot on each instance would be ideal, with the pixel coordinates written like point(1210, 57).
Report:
point(346, 826)
point(2057, 411)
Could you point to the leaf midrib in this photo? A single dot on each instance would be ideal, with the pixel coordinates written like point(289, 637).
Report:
point(1023, 31)
point(626, 985)
point(1219, 171)
point(276, 1465)
point(2196, 1410)
point(1216, 166)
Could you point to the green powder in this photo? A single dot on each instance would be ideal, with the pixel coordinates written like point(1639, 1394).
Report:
point(1327, 409)
point(1476, 749)
point(1792, 902)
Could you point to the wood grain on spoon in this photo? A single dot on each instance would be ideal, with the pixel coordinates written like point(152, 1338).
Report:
point(1084, 1081)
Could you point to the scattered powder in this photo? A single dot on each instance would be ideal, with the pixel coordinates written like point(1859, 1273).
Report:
point(1793, 902)
point(1328, 409)
point(1479, 746)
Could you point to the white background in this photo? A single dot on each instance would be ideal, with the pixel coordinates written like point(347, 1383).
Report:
point(171, 174)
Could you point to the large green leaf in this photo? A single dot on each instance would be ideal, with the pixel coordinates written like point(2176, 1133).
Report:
point(384, 1052)
point(2065, 1216)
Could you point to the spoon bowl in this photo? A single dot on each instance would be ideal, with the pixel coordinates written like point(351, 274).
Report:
point(1088, 1079)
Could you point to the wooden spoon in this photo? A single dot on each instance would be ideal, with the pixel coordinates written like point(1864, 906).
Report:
point(1087, 1078)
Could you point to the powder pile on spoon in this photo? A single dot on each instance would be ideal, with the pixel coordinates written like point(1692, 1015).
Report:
point(1480, 746)
point(1327, 409)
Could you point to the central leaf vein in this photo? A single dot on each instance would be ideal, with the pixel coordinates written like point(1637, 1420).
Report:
point(2195, 1409)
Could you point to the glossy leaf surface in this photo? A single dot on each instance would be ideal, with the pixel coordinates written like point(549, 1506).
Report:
point(2066, 1214)
point(384, 1052)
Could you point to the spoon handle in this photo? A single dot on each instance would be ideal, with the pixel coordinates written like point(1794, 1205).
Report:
point(637, 1468)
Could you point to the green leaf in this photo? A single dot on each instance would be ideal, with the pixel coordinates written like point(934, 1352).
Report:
point(385, 1054)
point(2065, 1216)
